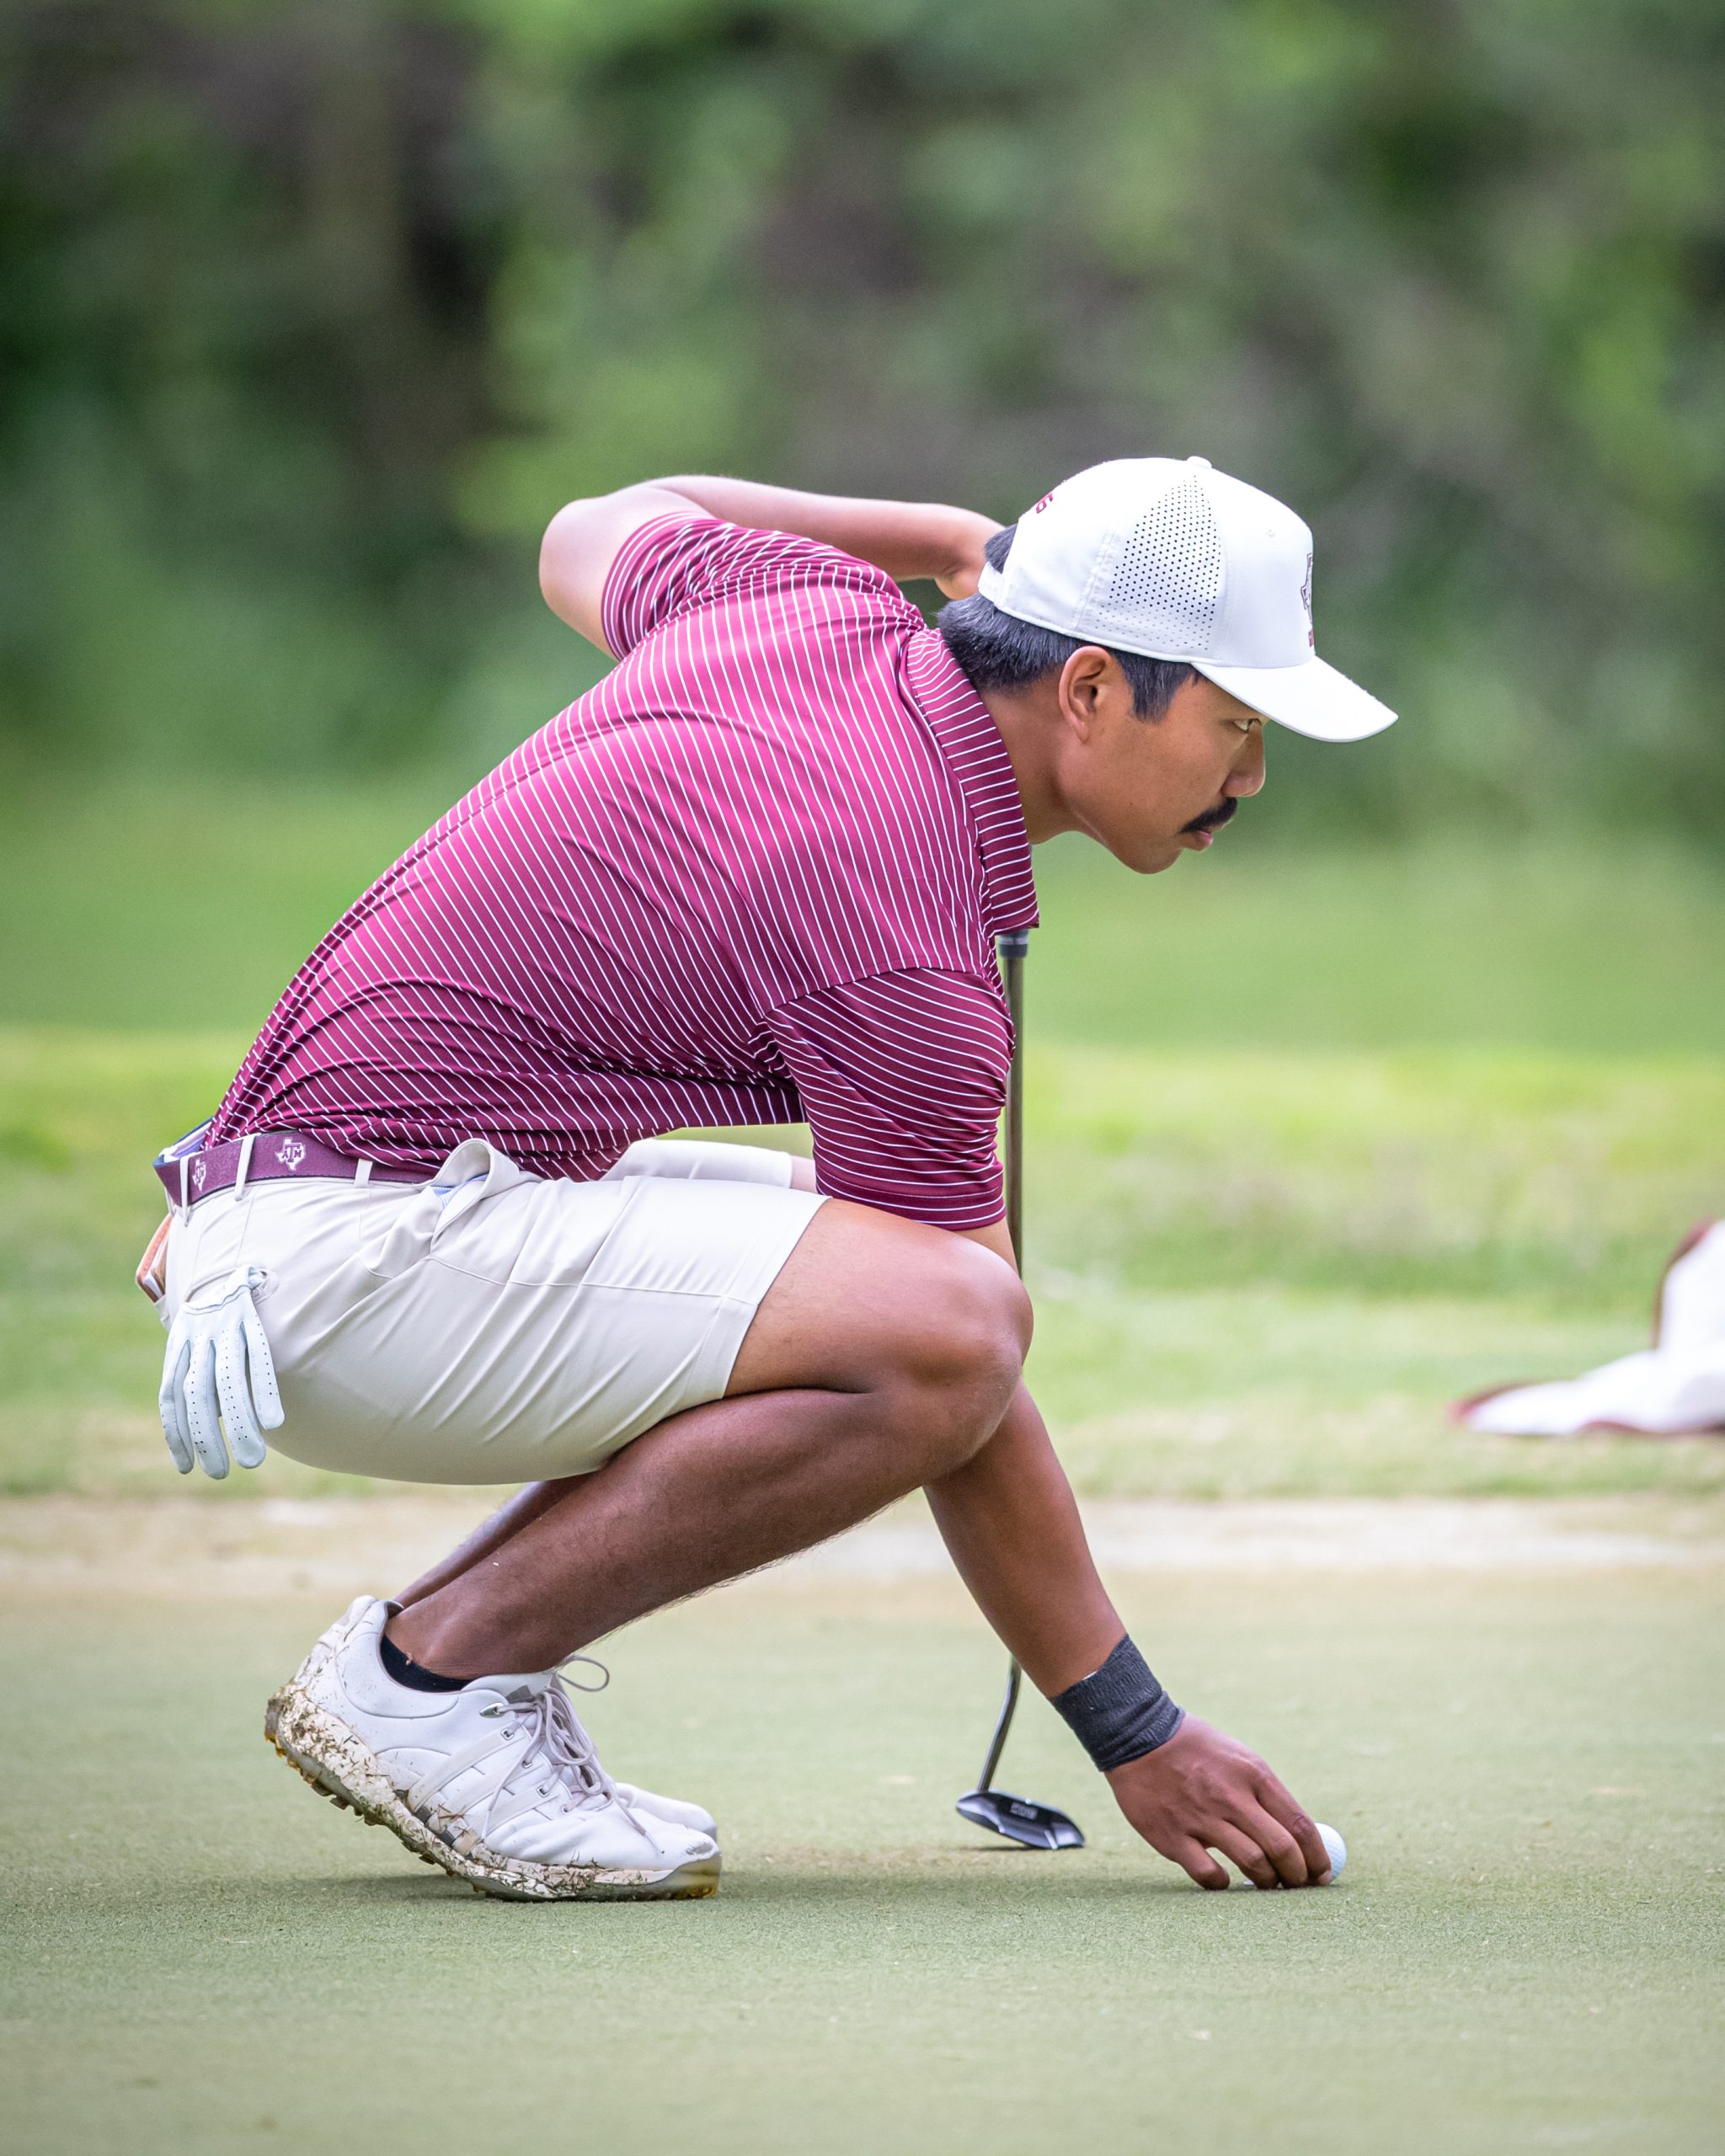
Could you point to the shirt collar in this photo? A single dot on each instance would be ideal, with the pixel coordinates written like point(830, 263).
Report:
point(971, 745)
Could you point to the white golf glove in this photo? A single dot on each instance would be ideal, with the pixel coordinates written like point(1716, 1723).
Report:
point(218, 1372)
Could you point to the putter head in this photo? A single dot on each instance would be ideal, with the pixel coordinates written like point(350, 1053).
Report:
point(1020, 1819)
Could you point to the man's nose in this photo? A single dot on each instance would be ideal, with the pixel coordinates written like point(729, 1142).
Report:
point(1246, 778)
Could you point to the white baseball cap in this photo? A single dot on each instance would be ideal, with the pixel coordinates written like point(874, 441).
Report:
point(1173, 559)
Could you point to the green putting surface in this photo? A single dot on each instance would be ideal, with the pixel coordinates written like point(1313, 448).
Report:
point(1524, 1954)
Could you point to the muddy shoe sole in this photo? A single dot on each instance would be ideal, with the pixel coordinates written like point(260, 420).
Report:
point(339, 1764)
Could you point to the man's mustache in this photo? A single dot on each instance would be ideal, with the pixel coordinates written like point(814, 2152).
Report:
point(1212, 819)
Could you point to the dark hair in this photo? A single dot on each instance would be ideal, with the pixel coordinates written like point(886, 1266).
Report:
point(998, 651)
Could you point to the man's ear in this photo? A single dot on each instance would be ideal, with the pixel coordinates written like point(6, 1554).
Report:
point(1084, 684)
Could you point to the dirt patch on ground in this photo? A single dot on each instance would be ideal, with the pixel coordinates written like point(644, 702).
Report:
point(339, 1546)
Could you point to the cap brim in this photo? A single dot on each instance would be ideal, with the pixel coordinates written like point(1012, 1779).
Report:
point(1311, 698)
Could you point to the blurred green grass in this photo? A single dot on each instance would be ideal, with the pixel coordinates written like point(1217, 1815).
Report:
point(1260, 1273)
point(1317, 1142)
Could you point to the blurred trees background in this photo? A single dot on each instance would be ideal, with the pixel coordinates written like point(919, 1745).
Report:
point(309, 315)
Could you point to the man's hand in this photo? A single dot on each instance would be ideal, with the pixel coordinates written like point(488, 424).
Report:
point(1202, 1791)
point(218, 1377)
point(971, 534)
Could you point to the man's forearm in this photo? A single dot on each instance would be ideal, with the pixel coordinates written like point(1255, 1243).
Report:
point(1009, 1519)
point(906, 539)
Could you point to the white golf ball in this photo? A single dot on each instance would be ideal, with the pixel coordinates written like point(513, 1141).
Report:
point(1337, 1847)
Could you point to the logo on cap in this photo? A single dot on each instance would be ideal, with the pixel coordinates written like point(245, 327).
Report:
point(1306, 601)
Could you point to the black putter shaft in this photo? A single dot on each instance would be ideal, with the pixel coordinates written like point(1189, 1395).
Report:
point(1014, 947)
point(1019, 1819)
point(997, 1743)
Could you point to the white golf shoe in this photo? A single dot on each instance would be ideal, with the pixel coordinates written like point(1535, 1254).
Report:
point(676, 1809)
point(497, 1783)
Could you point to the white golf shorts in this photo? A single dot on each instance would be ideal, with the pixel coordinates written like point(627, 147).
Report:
point(490, 1326)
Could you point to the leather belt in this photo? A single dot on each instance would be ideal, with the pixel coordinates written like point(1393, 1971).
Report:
point(189, 1170)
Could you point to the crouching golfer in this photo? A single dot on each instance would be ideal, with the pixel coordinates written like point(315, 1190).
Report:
point(754, 876)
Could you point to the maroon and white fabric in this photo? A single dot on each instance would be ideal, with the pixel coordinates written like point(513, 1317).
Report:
point(754, 876)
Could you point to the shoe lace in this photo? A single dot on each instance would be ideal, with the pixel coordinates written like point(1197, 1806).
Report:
point(555, 1742)
point(557, 1739)
point(556, 1735)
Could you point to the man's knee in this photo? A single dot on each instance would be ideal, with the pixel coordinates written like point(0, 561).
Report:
point(933, 1325)
point(960, 1348)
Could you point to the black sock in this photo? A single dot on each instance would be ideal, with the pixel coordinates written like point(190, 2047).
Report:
point(414, 1675)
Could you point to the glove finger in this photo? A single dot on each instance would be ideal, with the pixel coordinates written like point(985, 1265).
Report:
point(250, 1450)
point(243, 1435)
point(170, 1402)
point(204, 1412)
point(266, 1395)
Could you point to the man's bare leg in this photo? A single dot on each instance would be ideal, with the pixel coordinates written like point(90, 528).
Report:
point(885, 1356)
point(882, 1358)
point(511, 1517)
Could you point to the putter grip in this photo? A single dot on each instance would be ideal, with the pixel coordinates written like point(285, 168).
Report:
point(1119, 1711)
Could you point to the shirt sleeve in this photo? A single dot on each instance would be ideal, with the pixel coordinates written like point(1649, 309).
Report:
point(675, 564)
point(903, 1077)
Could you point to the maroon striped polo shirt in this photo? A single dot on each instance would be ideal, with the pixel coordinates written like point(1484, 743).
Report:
point(754, 876)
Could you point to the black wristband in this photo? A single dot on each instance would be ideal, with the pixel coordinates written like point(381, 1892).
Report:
point(1119, 1712)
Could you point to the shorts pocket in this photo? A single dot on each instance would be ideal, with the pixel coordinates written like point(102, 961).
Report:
point(537, 1234)
point(211, 1242)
